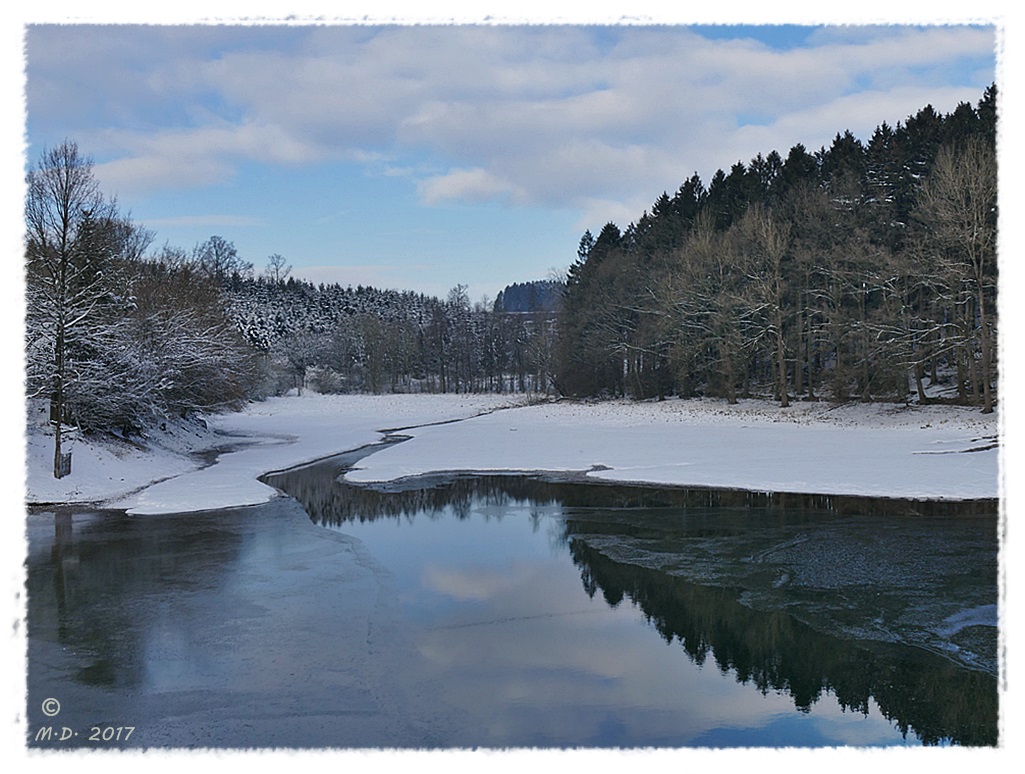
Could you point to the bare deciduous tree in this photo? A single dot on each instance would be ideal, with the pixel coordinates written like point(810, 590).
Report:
point(277, 271)
point(219, 259)
point(959, 203)
point(766, 240)
point(74, 239)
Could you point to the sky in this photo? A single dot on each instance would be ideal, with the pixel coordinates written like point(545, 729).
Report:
point(421, 156)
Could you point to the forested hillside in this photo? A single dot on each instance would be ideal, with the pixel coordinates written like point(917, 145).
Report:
point(857, 271)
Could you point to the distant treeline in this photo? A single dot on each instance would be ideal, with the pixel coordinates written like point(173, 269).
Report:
point(857, 271)
point(342, 339)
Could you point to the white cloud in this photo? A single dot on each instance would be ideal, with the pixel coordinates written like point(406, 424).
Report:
point(557, 116)
point(201, 157)
point(159, 170)
point(473, 185)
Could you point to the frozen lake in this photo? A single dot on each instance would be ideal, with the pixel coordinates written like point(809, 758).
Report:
point(506, 611)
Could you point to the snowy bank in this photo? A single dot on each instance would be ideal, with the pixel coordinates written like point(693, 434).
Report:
point(108, 467)
point(877, 450)
point(157, 474)
point(931, 452)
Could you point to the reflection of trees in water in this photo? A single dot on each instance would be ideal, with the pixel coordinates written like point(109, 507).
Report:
point(330, 501)
point(916, 690)
point(100, 583)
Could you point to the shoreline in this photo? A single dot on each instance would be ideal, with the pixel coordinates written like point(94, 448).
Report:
point(868, 451)
point(687, 494)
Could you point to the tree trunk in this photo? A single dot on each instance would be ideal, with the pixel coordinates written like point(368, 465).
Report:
point(799, 359)
point(57, 468)
point(781, 363)
point(58, 357)
point(962, 377)
point(919, 370)
point(812, 356)
point(984, 345)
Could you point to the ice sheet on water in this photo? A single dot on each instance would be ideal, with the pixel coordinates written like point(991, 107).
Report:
point(930, 583)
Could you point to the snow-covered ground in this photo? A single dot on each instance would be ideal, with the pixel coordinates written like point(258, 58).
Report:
point(278, 433)
point(876, 450)
point(879, 450)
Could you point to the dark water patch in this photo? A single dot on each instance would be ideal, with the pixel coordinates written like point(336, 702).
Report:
point(98, 575)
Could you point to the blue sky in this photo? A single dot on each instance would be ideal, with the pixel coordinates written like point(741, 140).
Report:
point(419, 157)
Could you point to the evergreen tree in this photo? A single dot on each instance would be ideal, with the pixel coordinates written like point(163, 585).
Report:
point(852, 276)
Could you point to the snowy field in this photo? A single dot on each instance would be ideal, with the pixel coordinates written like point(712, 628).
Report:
point(877, 450)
